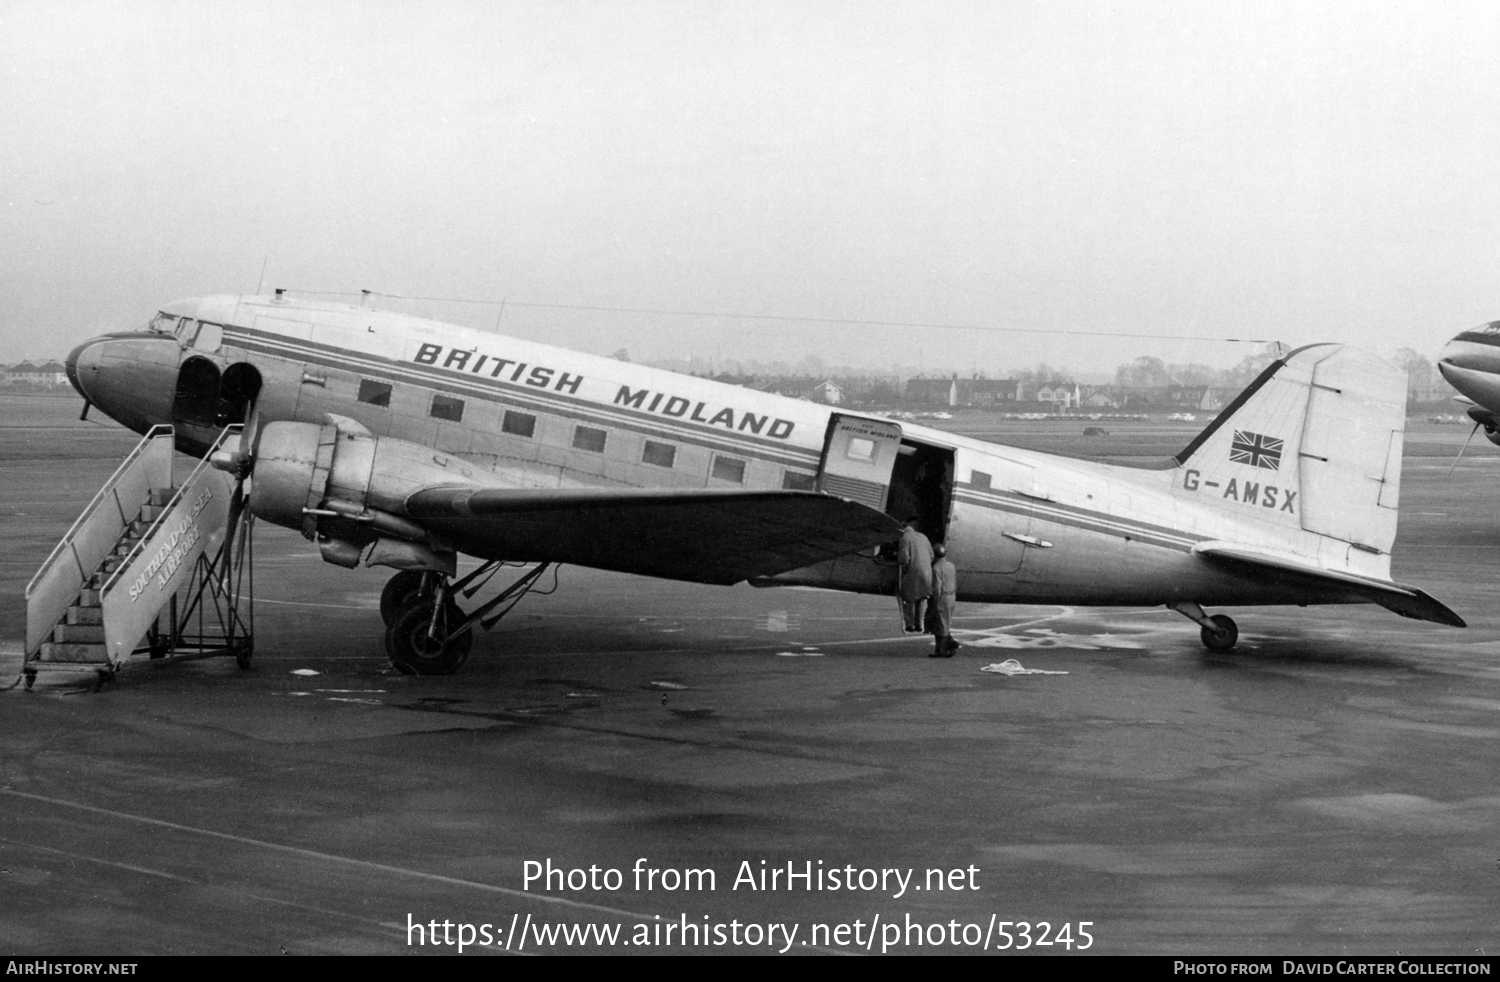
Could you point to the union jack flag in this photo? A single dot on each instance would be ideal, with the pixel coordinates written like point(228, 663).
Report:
point(1256, 450)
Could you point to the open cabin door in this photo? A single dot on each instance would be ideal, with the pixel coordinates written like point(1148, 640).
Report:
point(858, 457)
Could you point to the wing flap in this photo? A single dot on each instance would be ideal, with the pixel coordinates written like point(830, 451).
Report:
point(704, 536)
point(1398, 598)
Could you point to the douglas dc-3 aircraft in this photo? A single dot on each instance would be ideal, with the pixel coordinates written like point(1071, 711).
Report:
point(402, 442)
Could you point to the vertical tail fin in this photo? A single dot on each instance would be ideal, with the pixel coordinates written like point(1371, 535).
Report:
point(1311, 452)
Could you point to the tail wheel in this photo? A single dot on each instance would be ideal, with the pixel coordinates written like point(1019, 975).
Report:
point(1222, 636)
point(398, 590)
point(417, 647)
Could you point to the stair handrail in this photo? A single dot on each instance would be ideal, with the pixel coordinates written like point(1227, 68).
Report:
point(38, 625)
point(232, 430)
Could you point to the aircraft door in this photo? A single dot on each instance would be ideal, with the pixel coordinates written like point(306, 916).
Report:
point(237, 391)
point(197, 393)
point(858, 456)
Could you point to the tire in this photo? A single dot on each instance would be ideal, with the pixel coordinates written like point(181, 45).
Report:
point(1224, 637)
point(398, 590)
point(416, 652)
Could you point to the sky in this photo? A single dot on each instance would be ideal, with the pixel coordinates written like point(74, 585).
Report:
point(755, 173)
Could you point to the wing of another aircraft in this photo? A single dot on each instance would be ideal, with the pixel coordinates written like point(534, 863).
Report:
point(705, 536)
point(1398, 598)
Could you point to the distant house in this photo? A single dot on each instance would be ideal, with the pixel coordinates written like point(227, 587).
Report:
point(1062, 395)
point(1099, 397)
point(932, 391)
point(49, 374)
point(989, 392)
point(1194, 397)
point(828, 392)
point(955, 391)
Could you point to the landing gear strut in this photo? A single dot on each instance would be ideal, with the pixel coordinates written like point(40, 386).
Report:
point(1219, 633)
point(428, 638)
point(427, 633)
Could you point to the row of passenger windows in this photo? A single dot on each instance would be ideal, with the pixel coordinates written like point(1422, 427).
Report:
point(587, 438)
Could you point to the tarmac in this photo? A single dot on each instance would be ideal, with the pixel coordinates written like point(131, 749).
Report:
point(1327, 788)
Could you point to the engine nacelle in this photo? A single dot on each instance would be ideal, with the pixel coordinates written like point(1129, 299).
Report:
point(347, 487)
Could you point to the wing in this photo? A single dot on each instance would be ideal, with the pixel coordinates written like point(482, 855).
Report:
point(1401, 599)
point(707, 536)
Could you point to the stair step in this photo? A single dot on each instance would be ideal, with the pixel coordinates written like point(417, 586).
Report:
point(79, 633)
point(85, 615)
point(56, 651)
point(160, 496)
point(150, 513)
point(90, 595)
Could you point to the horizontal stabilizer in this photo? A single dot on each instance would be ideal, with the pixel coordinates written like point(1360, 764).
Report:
point(1398, 598)
point(705, 536)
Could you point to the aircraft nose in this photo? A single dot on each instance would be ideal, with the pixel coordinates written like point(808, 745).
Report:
point(1468, 355)
point(131, 376)
point(83, 362)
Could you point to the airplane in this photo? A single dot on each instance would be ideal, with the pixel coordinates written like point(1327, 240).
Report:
point(402, 442)
point(1471, 364)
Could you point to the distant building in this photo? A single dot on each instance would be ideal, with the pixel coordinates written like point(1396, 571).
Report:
point(1200, 397)
point(828, 392)
point(51, 373)
point(1061, 395)
point(956, 392)
point(1099, 397)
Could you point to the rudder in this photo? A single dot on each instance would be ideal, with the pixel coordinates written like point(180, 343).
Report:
point(1312, 445)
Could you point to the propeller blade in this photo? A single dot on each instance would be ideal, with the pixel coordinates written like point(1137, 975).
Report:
point(236, 510)
point(1461, 451)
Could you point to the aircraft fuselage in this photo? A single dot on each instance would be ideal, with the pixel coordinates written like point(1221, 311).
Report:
point(1020, 526)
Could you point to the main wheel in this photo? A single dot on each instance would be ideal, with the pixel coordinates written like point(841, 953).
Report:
point(398, 590)
point(417, 649)
point(1222, 636)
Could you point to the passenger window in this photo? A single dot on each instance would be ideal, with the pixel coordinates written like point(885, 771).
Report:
point(519, 424)
point(798, 481)
point(729, 469)
point(590, 439)
point(979, 479)
point(374, 393)
point(861, 449)
point(446, 407)
point(660, 454)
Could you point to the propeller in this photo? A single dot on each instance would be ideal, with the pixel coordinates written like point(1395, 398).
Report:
point(1481, 417)
point(240, 463)
point(1461, 451)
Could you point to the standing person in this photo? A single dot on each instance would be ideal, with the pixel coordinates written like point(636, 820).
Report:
point(944, 597)
point(915, 558)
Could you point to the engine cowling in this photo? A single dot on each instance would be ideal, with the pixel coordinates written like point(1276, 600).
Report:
point(347, 488)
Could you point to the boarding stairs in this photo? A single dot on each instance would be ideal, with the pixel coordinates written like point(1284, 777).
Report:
point(149, 567)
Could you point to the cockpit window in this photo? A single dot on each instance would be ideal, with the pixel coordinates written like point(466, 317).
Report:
point(1493, 327)
point(187, 330)
point(163, 324)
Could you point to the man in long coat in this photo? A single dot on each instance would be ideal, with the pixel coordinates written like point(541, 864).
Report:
point(944, 598)
point(915, 557)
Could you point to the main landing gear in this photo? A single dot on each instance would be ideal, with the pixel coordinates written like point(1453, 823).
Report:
point(426, 632)
point(1219, 631)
